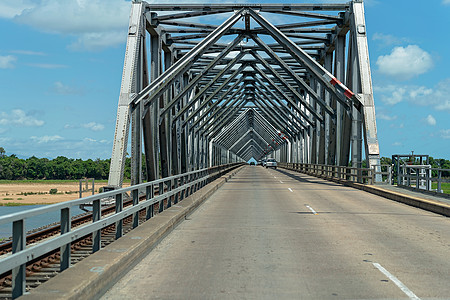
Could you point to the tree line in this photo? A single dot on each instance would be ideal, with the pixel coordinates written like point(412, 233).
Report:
point(14, 168)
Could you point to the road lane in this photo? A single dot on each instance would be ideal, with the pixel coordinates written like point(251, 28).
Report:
point(256, 238)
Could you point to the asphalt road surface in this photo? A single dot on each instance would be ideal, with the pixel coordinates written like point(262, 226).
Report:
point(277, 234)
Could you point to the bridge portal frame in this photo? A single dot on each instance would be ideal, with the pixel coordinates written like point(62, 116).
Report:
point(314, 106)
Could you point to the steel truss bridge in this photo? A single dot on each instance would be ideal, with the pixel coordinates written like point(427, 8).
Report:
point(205, 88)
point(198, 94)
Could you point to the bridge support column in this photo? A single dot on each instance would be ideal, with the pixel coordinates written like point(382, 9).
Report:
point(339, 72)
point(133, 79)
point(367, 117)
point(151, 118)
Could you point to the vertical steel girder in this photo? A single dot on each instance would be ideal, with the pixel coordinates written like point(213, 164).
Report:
point(129, 86)
point(203, 105)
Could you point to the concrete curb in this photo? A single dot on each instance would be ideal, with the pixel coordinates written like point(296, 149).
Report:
point(94, 275)
point(425, 204)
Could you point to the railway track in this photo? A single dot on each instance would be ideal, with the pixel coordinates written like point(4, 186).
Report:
point(42, 269)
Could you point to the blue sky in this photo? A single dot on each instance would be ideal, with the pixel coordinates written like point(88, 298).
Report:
point(61, 67)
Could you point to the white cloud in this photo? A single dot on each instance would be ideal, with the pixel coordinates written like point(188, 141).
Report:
point(391, 94)
point(12, 8)
point(436, 97)
point(430, 120)
point(405, 63)
point(28, 52)
point(91, 126)
point(46, 138)
point(62, 89)
point(445, 134)
point(89, 140)
point(383, 116)
point(397, 144)
point(95, 41)
point(7, 62)
point(47, 66)
point(19, 117)
point(94, 126)
point(445, 1)
point(388, 39)
point(97, 24)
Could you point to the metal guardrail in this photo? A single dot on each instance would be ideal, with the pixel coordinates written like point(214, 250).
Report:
point(420, 177)
point(171, 188)
point(387, 174)
point(361, 175)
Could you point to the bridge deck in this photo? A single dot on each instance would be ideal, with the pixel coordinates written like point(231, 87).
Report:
point(257, 237)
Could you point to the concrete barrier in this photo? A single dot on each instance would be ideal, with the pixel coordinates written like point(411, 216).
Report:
point(94, 275)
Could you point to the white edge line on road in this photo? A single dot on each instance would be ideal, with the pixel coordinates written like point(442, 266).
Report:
point(311, 209)
point(281, 181)
point(397, 282)
point(290, 190)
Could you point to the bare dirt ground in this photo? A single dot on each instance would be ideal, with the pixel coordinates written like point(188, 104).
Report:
point(39, 193)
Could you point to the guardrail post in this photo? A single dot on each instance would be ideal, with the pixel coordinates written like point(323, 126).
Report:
point(408, 176)
point(175, 186)
point(119, 208)
point(428, 179)
point(149, 194)
point(182, 183)
point(439, 189)
point(65, 249)
point(135, 194)
point(96, 235)
point(418, 178)
point(169, 188)
point(191, 178)
point(18, 244)
point(389, 178)
point(161, 202)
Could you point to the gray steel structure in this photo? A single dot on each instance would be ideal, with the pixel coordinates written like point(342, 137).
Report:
point(199, 94)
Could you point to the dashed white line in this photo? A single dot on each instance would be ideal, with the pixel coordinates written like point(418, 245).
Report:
point(281, 181)
point(290, 190)
point(311, 209)
point(274, 177)
point(397, 282)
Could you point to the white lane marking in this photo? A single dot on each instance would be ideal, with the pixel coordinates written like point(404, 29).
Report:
point(311, 209)
point(274, 177)
point(290, 190)
point(397, 282)
point(281, 181)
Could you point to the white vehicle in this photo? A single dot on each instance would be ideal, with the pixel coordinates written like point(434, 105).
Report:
point(271, 163)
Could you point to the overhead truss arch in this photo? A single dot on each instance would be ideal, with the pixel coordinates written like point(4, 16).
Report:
point(199, 92)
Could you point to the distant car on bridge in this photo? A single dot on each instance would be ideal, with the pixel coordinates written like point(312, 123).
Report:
point(271, 163)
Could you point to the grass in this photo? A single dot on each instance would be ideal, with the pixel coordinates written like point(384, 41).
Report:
point(32, 193)
point(12, 204)
point(22, 204)
point(445, 186)
point(54, 181)
point(42, 181)
point(8, 199)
